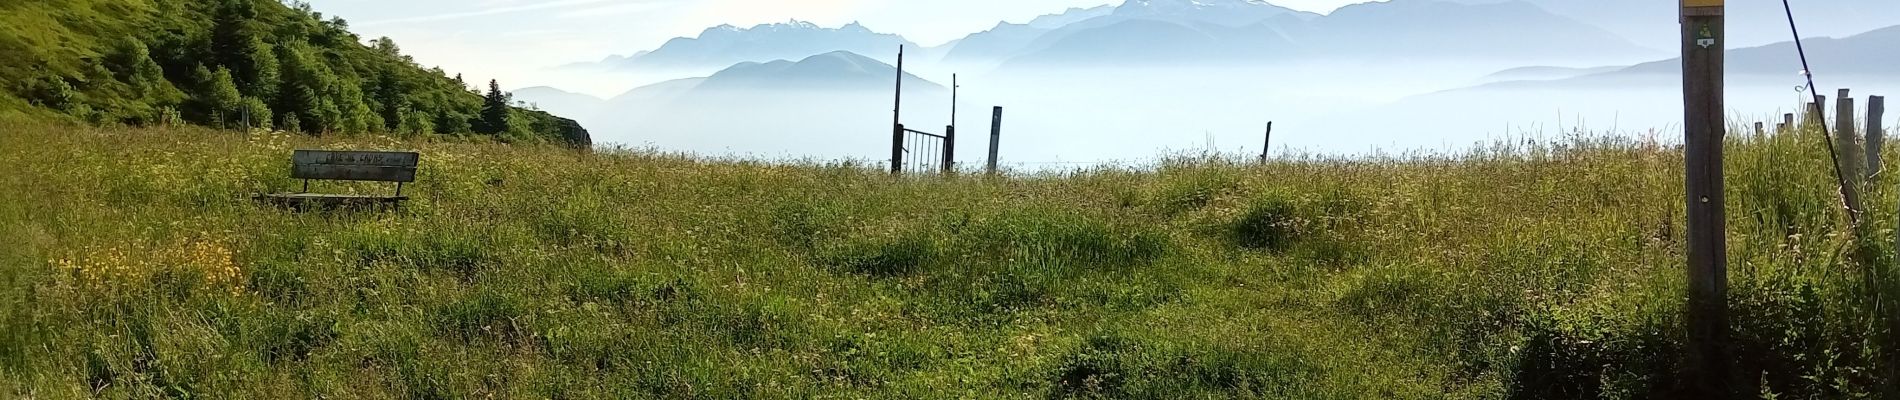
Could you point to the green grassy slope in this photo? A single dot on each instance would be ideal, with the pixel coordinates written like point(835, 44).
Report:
point(139, 62)
point(137, 267)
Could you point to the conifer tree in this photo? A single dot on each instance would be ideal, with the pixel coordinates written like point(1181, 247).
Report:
point(494, 110)
point(389, 99)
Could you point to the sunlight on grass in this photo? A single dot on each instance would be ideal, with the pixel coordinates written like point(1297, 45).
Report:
point(137, 266)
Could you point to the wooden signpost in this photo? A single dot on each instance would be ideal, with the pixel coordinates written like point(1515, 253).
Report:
point(1706, 373)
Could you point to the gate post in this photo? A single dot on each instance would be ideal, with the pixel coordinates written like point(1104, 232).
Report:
point(949, 149)
point(897, 118)
point(897, 149)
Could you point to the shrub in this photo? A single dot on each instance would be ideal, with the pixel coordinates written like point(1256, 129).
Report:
point(882, 258)
point(1194, 190)
point(1270, 223)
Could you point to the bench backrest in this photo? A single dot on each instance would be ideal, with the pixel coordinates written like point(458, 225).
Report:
point(378, 166)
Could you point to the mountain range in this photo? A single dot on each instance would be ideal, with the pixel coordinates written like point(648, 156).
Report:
point(1186, 31)
point(1218, 64)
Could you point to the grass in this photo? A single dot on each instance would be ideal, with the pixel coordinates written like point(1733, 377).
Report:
point(136, 266)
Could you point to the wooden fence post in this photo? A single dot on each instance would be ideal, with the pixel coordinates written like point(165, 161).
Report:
point(996, 136)
point(1876, 133)
point(1812, 119)
point(1266, 149)
point(1761, 130)
point(1847, 140)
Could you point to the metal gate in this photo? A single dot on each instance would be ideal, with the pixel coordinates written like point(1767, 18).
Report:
point(915, 151)
point(923, 152)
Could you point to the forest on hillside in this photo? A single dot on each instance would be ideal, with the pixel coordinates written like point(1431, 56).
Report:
point(239, 64)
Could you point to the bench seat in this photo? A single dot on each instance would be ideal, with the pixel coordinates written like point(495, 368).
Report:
point(373, 166)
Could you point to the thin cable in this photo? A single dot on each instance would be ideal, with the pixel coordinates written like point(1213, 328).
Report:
point(1840, 178)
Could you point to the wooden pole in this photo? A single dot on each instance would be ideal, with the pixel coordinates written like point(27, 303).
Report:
point(1876, 133)
point(1816, 108)
point(1847, 142)
point(996, 136)
point(1707, 373)
point(950, 132)
point(1787, 121)
point(897, 118)
point(1266, 148)
point(1761, 130)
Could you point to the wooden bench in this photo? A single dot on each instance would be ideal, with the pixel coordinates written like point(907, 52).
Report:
point(369, 166)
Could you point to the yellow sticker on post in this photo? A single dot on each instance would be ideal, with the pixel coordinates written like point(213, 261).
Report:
point(1702, 3)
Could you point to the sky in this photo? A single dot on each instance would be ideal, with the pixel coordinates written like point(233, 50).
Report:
point(513, 39)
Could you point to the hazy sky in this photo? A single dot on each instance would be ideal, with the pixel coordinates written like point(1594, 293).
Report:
point(510, 39)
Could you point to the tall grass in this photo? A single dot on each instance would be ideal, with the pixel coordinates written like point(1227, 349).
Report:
point(136, 266)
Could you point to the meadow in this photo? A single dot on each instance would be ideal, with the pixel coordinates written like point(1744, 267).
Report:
point(135, 265)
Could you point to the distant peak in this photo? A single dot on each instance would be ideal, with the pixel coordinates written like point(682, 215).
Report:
point(788, 24)
point(1184, 4)
point(843, 54)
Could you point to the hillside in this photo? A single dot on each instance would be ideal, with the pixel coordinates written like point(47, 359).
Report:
point(234, 63)
point(137, 268)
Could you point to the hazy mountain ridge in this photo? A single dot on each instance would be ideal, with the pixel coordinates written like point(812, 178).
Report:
point(1751, 22)
point(1871, 52)
point(550, 98)
point(1396, 30)
point(1070, 16)
point(747, 105)
point(1544, 73)
point(1865, 54)
point(1177, 31)
point(1000, 42)
point(1440, 29)
point(838, 70)
point(725, 45)
point(1222, 12)
point(753, 107)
